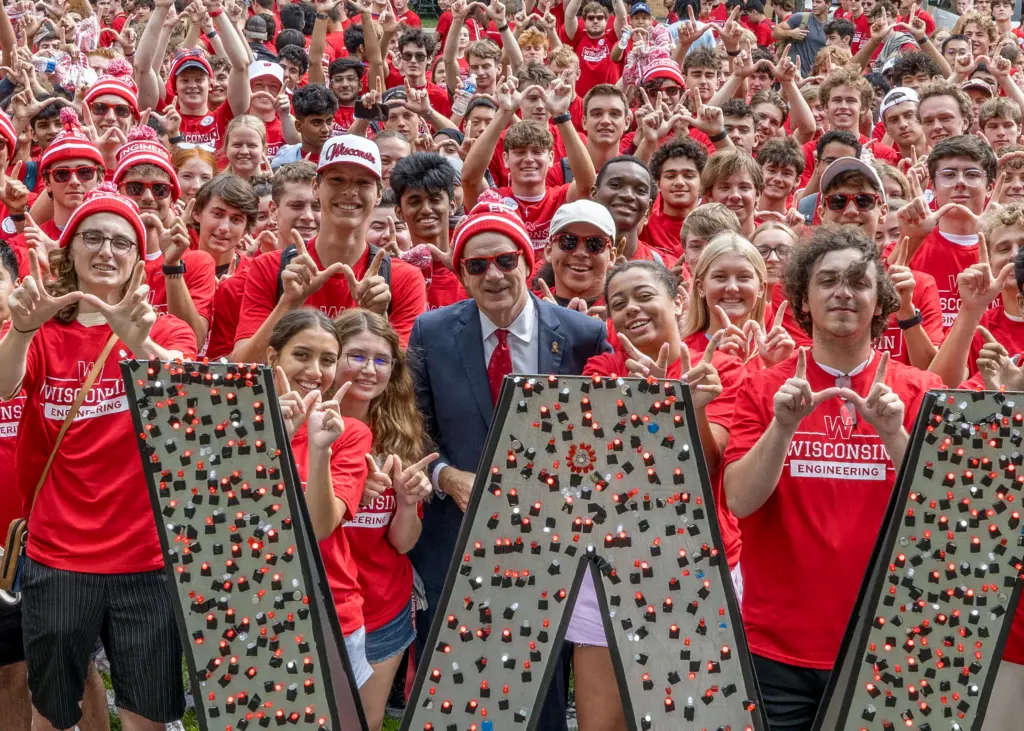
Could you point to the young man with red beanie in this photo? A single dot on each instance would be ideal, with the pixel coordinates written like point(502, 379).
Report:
point(71, 166)
point(334, 271)
point(181, 280)
point(188, 85)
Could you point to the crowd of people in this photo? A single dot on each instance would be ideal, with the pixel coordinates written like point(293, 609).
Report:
point(812, 218)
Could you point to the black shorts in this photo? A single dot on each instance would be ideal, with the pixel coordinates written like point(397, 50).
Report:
point(791, 694)
point(63, 612)
point(12, 648)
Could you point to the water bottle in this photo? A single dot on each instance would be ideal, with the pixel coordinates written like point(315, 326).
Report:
point(45, 65)
point(467, 89)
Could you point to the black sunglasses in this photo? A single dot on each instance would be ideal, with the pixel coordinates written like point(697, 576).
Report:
point(85, 173)
point(478, 265)
point(122, 111)
point(863, 201)
point(594, 244)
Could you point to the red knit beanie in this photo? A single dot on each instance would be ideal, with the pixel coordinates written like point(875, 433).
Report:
point(491, 216)
point(142, 148)
point(70, 143)
point(116, 80)
point(105, 199)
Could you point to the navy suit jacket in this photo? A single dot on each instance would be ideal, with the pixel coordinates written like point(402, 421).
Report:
point(446, 352)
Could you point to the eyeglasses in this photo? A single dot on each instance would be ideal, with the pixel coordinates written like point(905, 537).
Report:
point(359, 361)
point(782, 251)
point(595, 18)
point(195, 145)
point(478, 265)
point(122, 111)
point(670, 91)
point(85, 173)
point(190, 53)
point(863, 201)
point(569, 242)
point(94, 240)
point(420, 57)
point(973, 177)
point(136, 189)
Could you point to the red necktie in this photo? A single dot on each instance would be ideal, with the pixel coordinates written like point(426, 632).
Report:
point(500, 364)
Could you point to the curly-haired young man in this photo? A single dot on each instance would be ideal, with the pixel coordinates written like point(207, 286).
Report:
point(827, 428)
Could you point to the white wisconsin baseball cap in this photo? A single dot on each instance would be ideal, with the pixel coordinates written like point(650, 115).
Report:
point(351, 149)
point(583, 211)
point(259, 69)
point(897, 96)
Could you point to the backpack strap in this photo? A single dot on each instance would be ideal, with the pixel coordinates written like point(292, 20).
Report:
point(289, 253)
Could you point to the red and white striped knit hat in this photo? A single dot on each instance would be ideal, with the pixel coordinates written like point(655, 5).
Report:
point(105, 199)
point(491, 216)
point(8, 134)
point(70, 143)
point(140, 149)
point(116, 80)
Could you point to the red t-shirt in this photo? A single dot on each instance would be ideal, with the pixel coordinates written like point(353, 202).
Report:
point(929, 21)
point(408, 293)
point(275, 137)
point(385, 575)
point(1008, 331)
point(537, 215)
point(944, 260)
point(200, 279)
point(816, 533)
point(348, 476)
point(226, 304)
point(595, 55)
point(763, 33)
point(343, 119)
point(12, 498)
point(93, 514)
point(663, 233)
point(207, 129)
point(926, 299)
point(861, 33)
point(336, 41)
point(410, 19)
point(443, 287)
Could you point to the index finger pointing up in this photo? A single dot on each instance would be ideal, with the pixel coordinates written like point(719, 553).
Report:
point(801, 363)
point(982, 249)
point(780, 313)
point(883, 366)
point(300, 245)
point(901, 251)
point(375, 264)
point(281, 384)
point(709, 352)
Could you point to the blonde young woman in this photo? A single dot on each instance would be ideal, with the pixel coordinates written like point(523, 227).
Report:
point(245, 146)
point(729, 292)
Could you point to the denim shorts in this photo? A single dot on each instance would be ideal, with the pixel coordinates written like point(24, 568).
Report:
point(391, 639)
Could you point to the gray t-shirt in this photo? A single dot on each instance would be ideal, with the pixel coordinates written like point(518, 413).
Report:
point(808, 48)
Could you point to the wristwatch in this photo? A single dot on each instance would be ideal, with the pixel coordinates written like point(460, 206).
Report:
point(911, 322)
point(175, 271)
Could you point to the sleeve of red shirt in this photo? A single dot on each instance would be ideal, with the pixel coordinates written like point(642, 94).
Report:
point(439, 99)
point(732, 374)
point(751, 419)
point(444, 24)
point(173, 334)
point(408, 298)
point(260, 296)
point(348, 464)
point(764, 34)
point(928, 304)
point(201, 280)
point(601, 365)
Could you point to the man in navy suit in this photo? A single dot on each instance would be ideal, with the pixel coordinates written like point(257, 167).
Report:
point(459, 356)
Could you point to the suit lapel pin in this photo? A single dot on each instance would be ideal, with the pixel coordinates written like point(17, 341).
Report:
point(554, 346)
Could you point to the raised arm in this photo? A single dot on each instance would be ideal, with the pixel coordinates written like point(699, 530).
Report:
point(572, 10)
point(621, 16)
point(509, 44)
point(480, 154)
point(800, 116)
point(557, 100)
point(237, 53)
point(8, 39)
point(148, 55)
point(318, 41)
point(451, 43)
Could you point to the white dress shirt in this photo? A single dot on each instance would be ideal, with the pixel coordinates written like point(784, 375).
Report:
point(522, 342)
point(522, 339)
